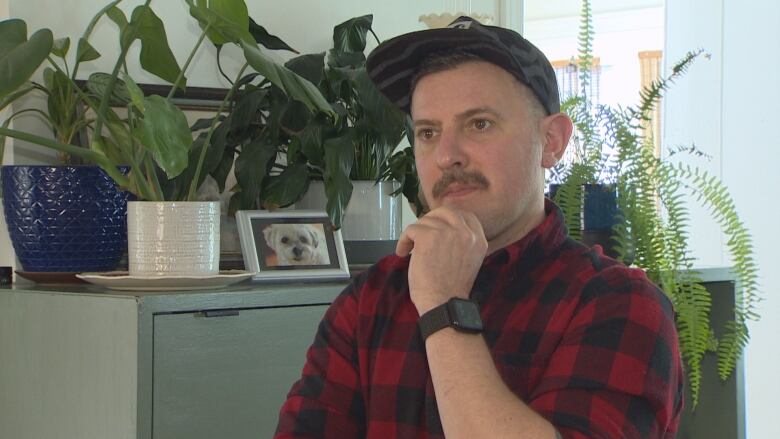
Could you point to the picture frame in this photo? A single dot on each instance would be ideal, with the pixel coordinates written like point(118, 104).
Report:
point(291, 246)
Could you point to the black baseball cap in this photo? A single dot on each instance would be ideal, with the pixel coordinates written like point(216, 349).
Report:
point(393, 64)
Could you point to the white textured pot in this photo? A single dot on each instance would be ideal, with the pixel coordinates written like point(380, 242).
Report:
point(372, 213)
point(173, 238)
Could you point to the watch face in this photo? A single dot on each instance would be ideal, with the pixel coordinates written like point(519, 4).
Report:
point(465, 315)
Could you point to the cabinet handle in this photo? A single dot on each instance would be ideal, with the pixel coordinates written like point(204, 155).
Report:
point(220, 313)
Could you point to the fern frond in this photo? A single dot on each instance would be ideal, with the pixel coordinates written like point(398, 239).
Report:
point(650, 95)
point(714, 196)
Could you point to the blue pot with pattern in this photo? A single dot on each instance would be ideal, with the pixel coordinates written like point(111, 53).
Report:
point(64, 218)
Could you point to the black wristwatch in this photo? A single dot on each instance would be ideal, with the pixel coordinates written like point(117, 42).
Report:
point(461, 314)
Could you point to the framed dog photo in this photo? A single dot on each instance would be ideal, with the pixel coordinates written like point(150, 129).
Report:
point(292, 245)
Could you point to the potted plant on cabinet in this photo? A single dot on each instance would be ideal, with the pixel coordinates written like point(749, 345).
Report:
point(284, 151)
point(651, 227)
point(66, 218)
point(154, 139)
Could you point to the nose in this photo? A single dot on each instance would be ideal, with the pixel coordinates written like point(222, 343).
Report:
point(450, 152)
point(297, 251)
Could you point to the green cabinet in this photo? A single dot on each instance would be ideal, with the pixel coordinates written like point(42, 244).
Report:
point(226, 373)
point(88, 363)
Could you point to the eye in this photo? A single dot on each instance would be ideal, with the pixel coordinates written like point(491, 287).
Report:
point(481, 124)
point(285, 240)
point(304, 240)
point(425, 133)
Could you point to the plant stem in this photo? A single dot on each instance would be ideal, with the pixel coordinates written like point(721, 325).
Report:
point(187, 63)
point(154, 193)
point(207, 141)
point(112, 81)
point(88, 31)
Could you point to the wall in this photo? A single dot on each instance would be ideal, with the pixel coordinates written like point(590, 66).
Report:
point(727, 106)
point(315, 18)
point(6, 252)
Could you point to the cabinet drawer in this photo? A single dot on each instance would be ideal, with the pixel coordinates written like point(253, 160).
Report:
point(226, 373)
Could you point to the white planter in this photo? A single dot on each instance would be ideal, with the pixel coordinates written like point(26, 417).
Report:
point(173, 238)
point(372, 213)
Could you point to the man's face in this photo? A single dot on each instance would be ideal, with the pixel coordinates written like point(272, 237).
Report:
point(478, 148)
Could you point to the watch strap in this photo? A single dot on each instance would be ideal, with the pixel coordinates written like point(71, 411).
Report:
point(434, 320)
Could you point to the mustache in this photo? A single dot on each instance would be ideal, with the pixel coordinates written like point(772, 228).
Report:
point(472, 178)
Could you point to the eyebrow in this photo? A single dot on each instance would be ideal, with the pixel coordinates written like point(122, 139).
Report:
point(464, 115)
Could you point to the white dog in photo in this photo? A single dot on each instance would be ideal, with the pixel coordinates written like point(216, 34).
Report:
point(297, 244)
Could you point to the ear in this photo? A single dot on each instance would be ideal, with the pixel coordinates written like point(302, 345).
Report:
point(268, 233)
point(556, 131)
point(315, 238)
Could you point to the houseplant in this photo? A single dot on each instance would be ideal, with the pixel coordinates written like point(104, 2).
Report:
point(61, 218)
point(154, 139)
point(652, 230)
point(279, 146)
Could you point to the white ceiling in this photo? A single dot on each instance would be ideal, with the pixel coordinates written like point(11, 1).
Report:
point(545, 9)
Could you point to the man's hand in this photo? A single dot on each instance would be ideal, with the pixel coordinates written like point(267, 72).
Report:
point(449, 248)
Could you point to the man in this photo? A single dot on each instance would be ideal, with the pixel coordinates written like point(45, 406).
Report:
point(489, 322)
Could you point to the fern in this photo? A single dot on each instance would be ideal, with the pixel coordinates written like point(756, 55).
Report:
point(653, 231)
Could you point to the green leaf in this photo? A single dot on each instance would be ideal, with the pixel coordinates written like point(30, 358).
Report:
point(286, 188)
point(383, 117)
point(8, 100)
point(338, 59)
point(294, 117)
point(110, 148)
point(293, 154)
point(267, 40)
point(214, 155)
point(246, 109)
point(311, 66)
point(293, 85)
point(60, 99)
point(6, 124)
point(156, 55)
point(350, 36)
point(311, 144)
point(227, 20)
point(223, 168)
point(97, 83)
point(339, 158)
point(20, 58)
point(117, 16)
point(252, 167)
point(202, 124)
point(60, 47)
point(135, 93)
point(13, 33)
point(85, 51)
point(166, 135)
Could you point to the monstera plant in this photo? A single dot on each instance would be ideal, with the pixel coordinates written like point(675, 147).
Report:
point(279, 144)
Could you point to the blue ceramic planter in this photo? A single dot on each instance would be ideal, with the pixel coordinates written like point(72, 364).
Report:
point(599, 207)
point(64, 218)
point(599, 211)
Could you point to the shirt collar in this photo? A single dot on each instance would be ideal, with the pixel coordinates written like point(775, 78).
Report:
point(543, 240)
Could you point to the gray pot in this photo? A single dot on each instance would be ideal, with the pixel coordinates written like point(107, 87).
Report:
point(371, 215)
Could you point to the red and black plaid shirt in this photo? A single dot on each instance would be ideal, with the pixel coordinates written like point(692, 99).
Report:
point(586, 342)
